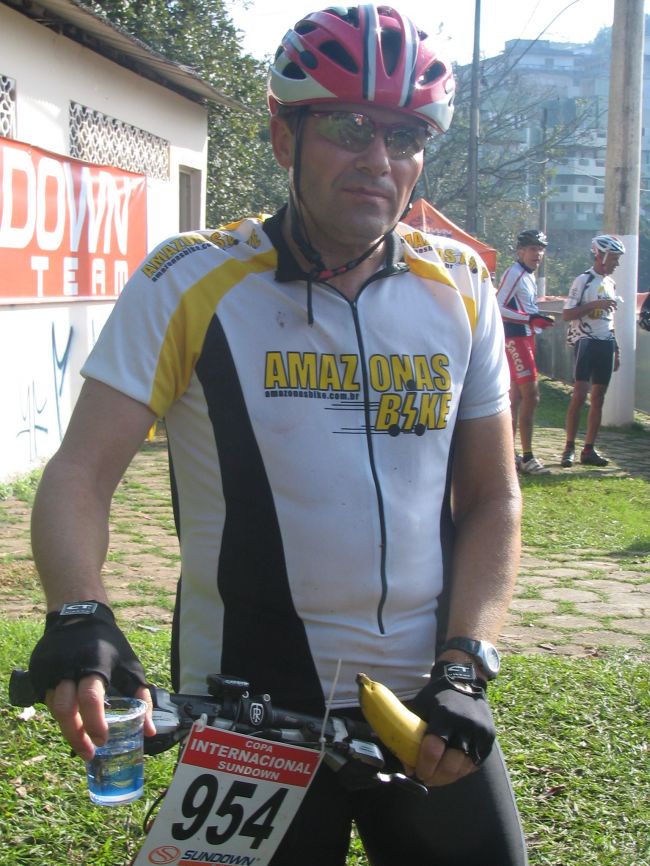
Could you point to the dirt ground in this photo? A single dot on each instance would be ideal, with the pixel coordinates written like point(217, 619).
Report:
point(143, 563)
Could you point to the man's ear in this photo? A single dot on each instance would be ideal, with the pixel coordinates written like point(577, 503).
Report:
point(282, 141)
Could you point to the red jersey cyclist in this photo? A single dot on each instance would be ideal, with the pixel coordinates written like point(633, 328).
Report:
point(517, 297)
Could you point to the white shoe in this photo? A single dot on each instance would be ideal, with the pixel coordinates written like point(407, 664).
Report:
point(533, 467)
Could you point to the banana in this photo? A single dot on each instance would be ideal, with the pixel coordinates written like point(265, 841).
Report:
point(395, 725)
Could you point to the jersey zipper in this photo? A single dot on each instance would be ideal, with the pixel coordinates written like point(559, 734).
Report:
point(390, 270)
point(373, 467)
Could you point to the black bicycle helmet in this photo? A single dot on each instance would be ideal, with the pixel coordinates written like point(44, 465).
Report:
point(532, 238)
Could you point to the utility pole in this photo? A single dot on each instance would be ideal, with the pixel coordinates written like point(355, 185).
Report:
point(472, 166)
point(543, 206)
point(622, 182)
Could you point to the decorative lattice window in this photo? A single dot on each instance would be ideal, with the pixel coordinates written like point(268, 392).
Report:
point(103, 140)
point(7, 107)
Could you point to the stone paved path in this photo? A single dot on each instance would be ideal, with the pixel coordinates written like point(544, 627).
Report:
point(562, 605)
point(583, 606)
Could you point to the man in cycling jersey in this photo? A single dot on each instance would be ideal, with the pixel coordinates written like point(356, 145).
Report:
point(331, 385)
point(589, 309)
point(517, 297)
point(644, 314)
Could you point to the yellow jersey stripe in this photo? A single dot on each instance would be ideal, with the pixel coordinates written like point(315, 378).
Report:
point(188, 326)
point(433, 271)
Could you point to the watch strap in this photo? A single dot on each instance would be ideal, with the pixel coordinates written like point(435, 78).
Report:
point(467, 644)
point(476, 648)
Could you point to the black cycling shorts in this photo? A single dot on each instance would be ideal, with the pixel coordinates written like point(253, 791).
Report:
point(594, 361)
point(473, 822)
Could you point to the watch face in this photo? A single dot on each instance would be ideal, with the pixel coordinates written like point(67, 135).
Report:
point(492, 661)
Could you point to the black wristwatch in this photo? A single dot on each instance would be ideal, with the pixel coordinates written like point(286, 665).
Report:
point(485, 653)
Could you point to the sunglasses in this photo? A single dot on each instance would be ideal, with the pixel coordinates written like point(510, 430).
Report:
point(356, 132)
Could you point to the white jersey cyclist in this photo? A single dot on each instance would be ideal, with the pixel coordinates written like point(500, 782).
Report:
point(308, 463)
point(596, 324)
point(517, 299)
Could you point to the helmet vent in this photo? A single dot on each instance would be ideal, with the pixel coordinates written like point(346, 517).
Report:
point(435, 71)
point(391, 45)
point(304, 27)
point(293, 71)
point(339, 55)
point(349, 14)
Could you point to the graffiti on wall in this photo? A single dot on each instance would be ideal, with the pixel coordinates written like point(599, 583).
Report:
point(34, 409)
point(67, 228)
point(59, 369)
point(32, 412)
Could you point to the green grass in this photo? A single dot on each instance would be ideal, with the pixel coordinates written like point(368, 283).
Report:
point(45, 813)
point(581, 513)
point(22, 488)
point(553, 403)
point(554, 400)
point(574, 732)
point(587, 512)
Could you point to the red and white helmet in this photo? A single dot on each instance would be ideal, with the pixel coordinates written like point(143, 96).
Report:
point(366, 55)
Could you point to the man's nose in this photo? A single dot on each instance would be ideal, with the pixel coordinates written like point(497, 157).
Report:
point(375, 157)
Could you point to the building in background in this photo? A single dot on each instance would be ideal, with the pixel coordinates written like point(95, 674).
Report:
point(571, 81)
point(103, 153)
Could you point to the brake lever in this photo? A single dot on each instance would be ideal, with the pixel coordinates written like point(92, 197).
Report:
point(410, 785)
point(21, 691)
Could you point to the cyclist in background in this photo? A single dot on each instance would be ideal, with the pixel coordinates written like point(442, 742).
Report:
point(644, 314)
point(314, 370)
point(517, 297)
point(589, 308)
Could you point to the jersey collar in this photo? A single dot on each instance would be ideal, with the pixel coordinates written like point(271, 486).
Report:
point(525, 267)
point(288, 268)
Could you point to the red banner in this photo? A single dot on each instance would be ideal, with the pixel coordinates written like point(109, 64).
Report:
point(67, 228)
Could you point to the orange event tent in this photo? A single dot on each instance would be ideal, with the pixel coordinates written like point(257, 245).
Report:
point(426, 218)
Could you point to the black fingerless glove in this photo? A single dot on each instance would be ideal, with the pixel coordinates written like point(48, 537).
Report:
point(456, 710)
point(80, 640)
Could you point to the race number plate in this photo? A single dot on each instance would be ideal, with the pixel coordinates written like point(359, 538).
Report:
point(231, 800)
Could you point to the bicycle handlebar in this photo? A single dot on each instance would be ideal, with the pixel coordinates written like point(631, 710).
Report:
point(347, 743)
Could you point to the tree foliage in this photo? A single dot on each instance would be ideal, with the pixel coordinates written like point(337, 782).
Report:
point(243, 176)
point(524, 129)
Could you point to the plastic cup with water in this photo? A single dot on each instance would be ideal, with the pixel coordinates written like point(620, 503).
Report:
point(116, 772)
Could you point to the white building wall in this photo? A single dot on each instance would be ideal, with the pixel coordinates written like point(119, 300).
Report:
point(43, 348)
point(44, 344)
point(51, 71)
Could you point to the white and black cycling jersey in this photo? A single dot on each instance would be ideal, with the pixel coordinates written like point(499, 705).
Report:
point(310, 464)
point(597, 324)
